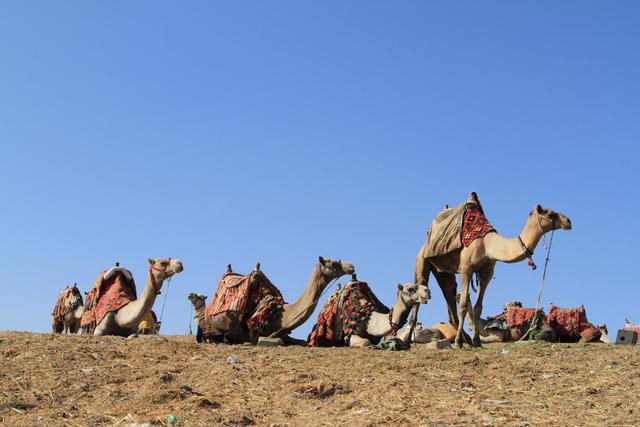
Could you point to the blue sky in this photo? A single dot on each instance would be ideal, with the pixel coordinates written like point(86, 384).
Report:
point(239, 132)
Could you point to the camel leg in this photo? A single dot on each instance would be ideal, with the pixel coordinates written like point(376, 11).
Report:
point(448, 285)
point(485, 278)
point(356, 341)
point(465, 279)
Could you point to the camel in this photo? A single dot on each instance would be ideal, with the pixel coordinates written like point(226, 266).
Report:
point(124, 321)
point(149, 325)
point(68, 311)
point(291, 316)
point(199, 302)
point(480, 257)
point(381, 324)
point(497, 331)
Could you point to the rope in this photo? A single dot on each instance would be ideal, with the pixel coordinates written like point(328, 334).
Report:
point(165, 298)
point(534, 321)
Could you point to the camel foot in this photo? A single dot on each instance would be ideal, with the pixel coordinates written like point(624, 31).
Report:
point(460, 341)
point(269, 342)
point(476, 342)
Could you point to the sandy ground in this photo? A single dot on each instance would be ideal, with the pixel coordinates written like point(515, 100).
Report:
point(88, 381)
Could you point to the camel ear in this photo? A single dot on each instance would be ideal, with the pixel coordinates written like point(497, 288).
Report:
point(321, 259)
point(400, 286)
point(151, 261)
point(539, 209)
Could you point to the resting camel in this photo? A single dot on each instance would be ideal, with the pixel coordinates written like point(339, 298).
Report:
point(381, 324)
point(68, 311)
point(124, 321)
point(291, 316)
point(480, 257)
point(199, 302)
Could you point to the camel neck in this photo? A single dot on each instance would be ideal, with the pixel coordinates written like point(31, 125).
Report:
point(299, 311)
point(510, 250)
point(131, 314)
point(400, 312)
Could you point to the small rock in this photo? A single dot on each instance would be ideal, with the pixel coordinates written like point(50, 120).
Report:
point(96, 356)
point(466, 384)
point(81, 386)
point(132, 336)
point(232, 359)
point(140, 425)
point(362, 411)
point(439, 344)
point(522, 424)
point(489, 420)
point(504, 351)
point(270, 342)
point(102, 344)
point(496, 402)
point(87, 371)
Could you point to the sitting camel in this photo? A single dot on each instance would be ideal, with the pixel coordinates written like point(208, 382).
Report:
point(354, 316)
point(67, 311)
point(231, 325)
point(506, 328)
point(117, 311)
point(476, 249)
point(380, 324)
point(199, 302)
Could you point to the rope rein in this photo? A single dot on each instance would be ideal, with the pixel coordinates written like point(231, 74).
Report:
point(165, 298)
point(534, 321)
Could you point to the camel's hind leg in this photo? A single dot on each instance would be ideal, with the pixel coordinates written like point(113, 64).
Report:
point(465, 281)
point(356, 341)
point(448, 285)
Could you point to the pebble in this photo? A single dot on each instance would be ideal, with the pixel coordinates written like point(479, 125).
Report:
point(232, 359)
point(362, 411)
point(87, 371)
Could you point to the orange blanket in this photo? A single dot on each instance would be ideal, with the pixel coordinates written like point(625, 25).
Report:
point(106, 296)
point(572, 324)
point(62, 308)
point(254, 298)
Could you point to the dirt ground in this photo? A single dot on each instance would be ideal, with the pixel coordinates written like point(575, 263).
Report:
point(91, 381)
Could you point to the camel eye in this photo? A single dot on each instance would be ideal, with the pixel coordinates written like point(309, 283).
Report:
point(164, 263)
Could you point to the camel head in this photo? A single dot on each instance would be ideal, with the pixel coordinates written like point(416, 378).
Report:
point(550, 220)
point(333, 269)
point(413, 294)
point(198, 300)
point(163, 268)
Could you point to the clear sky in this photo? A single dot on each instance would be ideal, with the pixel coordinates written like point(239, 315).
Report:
point(236, 132)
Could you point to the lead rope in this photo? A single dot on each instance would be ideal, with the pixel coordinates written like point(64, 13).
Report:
point(534, 321)
point(165, 298)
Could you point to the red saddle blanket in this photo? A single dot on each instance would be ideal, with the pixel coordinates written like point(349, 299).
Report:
point(63, 303)
point(474, 224)
point(254, 298)
point(517, 316)
point(343, 314)
point(105, 296)
point(571, 324)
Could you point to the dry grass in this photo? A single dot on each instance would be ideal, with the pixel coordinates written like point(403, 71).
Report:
point(79, 380)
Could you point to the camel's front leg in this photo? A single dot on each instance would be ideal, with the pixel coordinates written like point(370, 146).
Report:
point(465, 279)
point(485, 278)
point(356, 341)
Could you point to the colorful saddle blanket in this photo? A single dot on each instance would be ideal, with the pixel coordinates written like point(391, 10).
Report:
point(516, 317)
point(572, 324)
point(253, 299)
point(456, 227)
point(344, 313)
point(107, 294)
point(68, 300)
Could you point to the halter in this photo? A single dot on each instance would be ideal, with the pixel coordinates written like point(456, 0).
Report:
point(153, 267)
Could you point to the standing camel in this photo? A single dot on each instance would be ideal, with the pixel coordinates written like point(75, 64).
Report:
point(199, 302)
point(480, 256)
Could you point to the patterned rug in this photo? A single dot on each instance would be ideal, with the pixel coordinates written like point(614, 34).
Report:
point(253, 299)
point(106, 296)
point(517, 316)
point(572, 324)
point(474, 224)
point(344, 313)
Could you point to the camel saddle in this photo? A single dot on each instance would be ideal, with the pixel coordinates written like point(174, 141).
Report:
point(345, 313)
point(252, 299)
point(515, 317)
point(112, 290)
point(61, 308)
point(572, 324)
point(456, 227)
